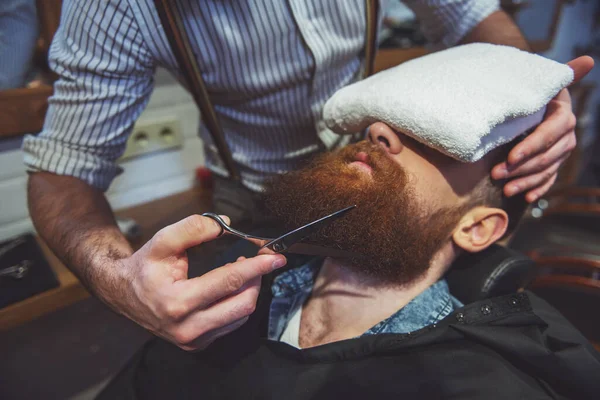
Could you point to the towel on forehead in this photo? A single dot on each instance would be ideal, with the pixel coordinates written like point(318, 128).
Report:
point(464, 101)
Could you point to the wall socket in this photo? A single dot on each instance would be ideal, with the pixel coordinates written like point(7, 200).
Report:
point(152, 136)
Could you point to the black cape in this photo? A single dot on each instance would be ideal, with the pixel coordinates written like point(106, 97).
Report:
point(510, 347)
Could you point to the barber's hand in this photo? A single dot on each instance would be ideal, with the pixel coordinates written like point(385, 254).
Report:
point(191, 313)
point(533, 163)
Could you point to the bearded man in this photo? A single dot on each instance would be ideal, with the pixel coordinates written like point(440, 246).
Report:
point(382, 321)
point(417, 210)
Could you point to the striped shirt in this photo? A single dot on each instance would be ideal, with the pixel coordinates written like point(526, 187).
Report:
point(269, 67)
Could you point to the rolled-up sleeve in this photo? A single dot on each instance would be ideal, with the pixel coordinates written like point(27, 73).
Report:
point(445, 22)
point(106, 78)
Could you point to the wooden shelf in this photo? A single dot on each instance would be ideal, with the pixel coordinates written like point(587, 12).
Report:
point(387, 58)
point(23, 110)
point(151, 216)
point(69, 291)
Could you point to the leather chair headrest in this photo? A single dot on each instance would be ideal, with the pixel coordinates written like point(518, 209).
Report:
point(493, 272)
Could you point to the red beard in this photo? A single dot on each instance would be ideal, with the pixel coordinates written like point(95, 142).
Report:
point(390, 232)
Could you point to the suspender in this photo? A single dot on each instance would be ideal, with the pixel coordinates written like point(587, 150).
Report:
point(180, 44)
point(370, 37)
point(172, 23)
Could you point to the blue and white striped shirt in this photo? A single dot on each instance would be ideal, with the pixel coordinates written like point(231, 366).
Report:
point(269, 67)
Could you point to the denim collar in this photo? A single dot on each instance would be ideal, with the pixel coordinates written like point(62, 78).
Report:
point(291, 289)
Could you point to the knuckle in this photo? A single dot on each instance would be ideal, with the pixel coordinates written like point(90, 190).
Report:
point(533, 180)
point(242, 309)
point(234, 281)
point(174, 310)
point(194, 224)
point(159, 237)
point(572, 122)
point(544, 160)
point(246, 308)
point(565, 108)
point(183, 338)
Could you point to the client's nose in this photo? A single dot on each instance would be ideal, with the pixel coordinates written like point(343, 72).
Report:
point(383, 135)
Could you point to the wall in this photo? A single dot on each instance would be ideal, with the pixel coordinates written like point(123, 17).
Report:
point(145, 178)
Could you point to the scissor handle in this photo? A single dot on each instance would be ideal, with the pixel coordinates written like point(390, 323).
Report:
point(227, 229)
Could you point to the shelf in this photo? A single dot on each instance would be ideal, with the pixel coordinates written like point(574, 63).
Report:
point(151, 216)
point(387, 58)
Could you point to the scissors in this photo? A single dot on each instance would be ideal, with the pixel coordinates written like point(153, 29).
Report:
point(292, 241)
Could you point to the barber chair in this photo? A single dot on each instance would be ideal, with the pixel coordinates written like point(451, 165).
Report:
point(496, 271)
point(563, 240)
point(570, 282)
point(567, 219)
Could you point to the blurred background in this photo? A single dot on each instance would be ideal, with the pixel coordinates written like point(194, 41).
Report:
point(56, 342)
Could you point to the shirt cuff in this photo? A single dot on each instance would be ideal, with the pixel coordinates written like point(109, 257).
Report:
point(44, 154)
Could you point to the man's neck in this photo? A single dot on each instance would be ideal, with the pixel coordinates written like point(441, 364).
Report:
point(344, 304)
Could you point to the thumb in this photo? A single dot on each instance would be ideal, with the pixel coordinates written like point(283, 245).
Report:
point(581, 66)
point(180, 236)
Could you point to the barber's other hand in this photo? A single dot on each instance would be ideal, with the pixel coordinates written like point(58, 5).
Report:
point(533, 163)
point(191, 313)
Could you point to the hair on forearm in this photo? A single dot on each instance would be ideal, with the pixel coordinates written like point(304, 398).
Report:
point(76, 222)
point(497, 28)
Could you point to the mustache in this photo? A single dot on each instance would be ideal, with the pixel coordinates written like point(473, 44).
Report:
point(377, 157)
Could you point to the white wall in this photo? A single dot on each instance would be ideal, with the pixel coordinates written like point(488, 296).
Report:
point(145, 178)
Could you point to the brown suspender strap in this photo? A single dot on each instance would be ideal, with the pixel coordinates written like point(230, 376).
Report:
point(182, 50)
point(370, 37)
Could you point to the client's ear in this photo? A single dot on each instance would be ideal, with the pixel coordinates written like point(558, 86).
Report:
point(480, 228)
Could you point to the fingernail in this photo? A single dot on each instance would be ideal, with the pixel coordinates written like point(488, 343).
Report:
point(512, 190)
point(279, 262)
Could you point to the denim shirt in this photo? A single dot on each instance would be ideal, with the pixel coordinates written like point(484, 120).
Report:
point(292, 288)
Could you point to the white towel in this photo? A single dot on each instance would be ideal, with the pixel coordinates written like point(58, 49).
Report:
point(464, 101)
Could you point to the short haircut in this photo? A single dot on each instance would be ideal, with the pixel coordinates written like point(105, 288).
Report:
point(488, 192)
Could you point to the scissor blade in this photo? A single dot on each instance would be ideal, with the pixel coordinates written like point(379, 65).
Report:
point(316, 250)
point(285, 241)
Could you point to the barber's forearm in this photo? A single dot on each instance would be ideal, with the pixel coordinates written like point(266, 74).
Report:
point(497, 28)
point(77, 223)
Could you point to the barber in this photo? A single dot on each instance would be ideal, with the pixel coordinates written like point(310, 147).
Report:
point(271, 66)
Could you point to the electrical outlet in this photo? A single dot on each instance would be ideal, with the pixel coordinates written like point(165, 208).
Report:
point(152, 136)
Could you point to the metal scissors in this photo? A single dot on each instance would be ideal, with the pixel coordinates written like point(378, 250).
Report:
point(292, 241)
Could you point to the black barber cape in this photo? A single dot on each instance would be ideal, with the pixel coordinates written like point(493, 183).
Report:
point(510, 347)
